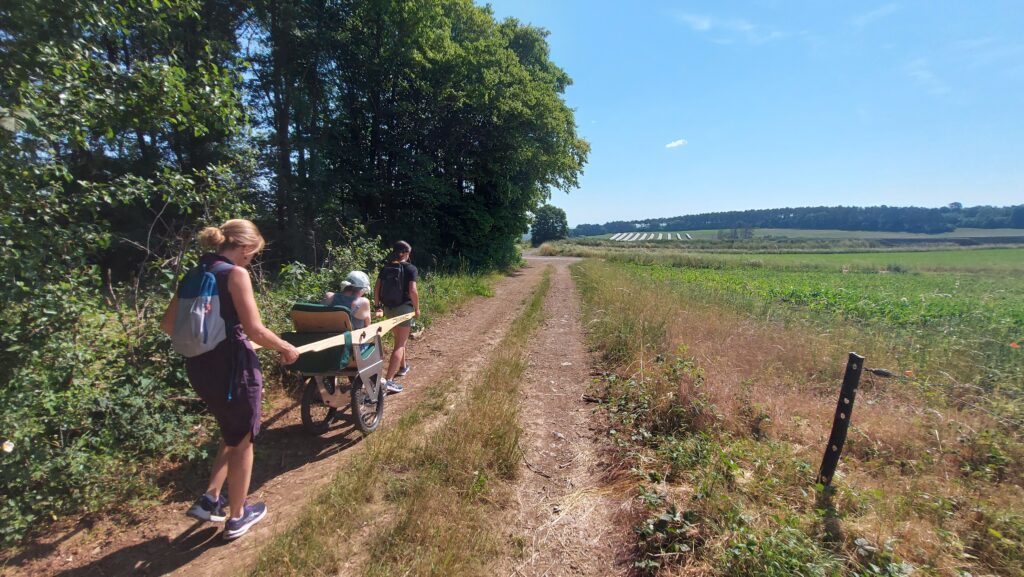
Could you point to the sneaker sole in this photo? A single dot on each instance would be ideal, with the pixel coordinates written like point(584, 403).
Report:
point(232, 535)
point(206, 516)
point(198, 516)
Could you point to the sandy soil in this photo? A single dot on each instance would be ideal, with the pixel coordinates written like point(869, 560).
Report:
point(291, 465)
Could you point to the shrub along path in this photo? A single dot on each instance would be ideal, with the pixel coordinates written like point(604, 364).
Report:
point(291, 466)
point(569, 510)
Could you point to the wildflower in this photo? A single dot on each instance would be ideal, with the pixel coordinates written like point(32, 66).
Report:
point(1015, 345)
point(909, 373)
point(8, 446)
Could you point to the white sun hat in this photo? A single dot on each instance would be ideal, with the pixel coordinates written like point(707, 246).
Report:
point(357, 279)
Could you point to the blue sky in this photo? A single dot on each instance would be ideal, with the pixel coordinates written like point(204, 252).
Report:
point(703, 106)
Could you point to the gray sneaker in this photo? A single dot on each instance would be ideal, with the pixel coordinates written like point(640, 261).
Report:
point(206, 509)
point(394, 387)
point(251, 514)
point(403, 371)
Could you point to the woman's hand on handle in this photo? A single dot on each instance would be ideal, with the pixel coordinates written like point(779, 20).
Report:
point(289, 355)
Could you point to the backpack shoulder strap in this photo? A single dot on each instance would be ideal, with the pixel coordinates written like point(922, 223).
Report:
point(221, 266)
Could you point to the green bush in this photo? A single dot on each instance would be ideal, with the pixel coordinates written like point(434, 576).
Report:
point(85, 408)
point(780, 552)
point(665, 539)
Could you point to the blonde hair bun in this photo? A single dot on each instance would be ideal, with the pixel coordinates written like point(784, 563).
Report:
point(235, 232)
point(211, 238)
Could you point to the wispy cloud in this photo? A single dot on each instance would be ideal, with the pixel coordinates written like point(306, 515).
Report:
point(677, 143)
point(921, 72)
point(876, 14)
point(988, 51)
point(695, 22)
point(725, 31)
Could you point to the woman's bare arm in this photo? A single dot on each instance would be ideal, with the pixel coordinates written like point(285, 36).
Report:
point(240, 287)
point(414, 296)
point(362, 306)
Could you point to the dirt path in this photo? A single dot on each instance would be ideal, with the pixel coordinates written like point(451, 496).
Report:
point(291, 465)
point(567, 508)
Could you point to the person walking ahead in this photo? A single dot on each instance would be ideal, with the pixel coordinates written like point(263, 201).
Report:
point(211, 321)
point(395, 293)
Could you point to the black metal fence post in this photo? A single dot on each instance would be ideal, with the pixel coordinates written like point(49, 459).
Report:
point(841, 422)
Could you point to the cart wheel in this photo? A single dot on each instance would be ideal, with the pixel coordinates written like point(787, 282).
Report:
point(367, 409)
point(316, 414)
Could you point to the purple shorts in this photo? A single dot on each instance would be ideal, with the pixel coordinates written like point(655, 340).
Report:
point(232, 367)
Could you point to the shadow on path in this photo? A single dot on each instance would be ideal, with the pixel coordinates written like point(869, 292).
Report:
point(278, 451)
point(157, 556)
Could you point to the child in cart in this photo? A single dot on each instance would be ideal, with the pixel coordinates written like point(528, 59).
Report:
point(353, 296)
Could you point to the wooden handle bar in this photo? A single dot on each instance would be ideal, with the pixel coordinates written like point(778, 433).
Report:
point(359, 336)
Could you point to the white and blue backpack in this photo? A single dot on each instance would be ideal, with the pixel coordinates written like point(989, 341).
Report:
point(198, 326)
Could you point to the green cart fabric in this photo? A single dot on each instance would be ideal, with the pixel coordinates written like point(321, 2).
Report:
point(326, 361)
point(329, 360)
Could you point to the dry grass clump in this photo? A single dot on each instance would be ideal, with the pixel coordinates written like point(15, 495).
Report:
point(318, 542)
point(739, 409)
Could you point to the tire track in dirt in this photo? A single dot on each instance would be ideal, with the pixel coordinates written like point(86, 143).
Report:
point(568, 505)
point(291, 466)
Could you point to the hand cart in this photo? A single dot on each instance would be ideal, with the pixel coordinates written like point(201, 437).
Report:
point(339, 366)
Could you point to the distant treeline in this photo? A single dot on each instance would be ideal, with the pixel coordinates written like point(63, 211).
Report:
point(880, 218)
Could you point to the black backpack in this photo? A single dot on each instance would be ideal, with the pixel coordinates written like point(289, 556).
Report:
point(392, 285)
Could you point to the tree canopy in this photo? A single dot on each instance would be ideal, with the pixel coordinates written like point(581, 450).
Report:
point(426, 120)
point(549, 223)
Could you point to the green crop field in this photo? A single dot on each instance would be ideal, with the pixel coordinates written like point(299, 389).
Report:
point(952, 316)
point(994, 260)
point(826, 234)
point(730, 362)
point(959, 323)
point(828, 256)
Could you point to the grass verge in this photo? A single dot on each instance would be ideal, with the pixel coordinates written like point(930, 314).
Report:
point(723, 415)
point(422, 497)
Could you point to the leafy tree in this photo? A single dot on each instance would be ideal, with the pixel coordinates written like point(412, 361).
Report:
point(119, 134)
point(426, 120)
point(549, 223)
